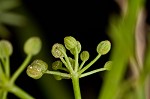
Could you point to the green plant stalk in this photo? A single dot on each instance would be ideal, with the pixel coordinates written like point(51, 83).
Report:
point(64, 62)
point(64, 69)
point(67, 61)
point(1, 70)
point(81, 65)
point(20, 69)
point(4, 96)
point(2, 75)
point(7, 67)
point(92, 72)
point(115, 73)
point(20, 93)
point(91, 63)
point(76, 60)
point(5, 63)
point(123, 40)
point(58, 73)
point(76, 86)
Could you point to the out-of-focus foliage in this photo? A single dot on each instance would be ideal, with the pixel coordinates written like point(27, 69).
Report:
point(9, 16)
point(122, 33)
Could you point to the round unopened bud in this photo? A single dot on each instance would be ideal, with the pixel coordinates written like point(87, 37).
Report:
point(37, 69)
point(70, 42)
point(84, 55)
point(33, 46)
point(6, 48)
point(56, 50)
point(56, 65)
point(108, 65)
point(78, 48)
point(103, 47)
point(57, 77)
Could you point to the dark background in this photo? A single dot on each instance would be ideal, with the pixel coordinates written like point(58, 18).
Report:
point(86, 20)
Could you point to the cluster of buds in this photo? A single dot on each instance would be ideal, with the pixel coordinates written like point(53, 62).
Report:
point(66, 67)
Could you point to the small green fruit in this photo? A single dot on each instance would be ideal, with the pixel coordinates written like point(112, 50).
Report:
point(56, 50)
point(103, 47)
point(37, 69)
point(33, 46)
point(56, 65)
point(57, 77)
point(78, 48)
point(108, 65)
point(6, 48)
point(70, 42)
point(84, 55)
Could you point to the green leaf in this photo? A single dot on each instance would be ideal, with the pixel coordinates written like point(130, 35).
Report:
point(12, 19)
point(8, 4)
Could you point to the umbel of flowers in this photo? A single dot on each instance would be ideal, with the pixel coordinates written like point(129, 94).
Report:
point(69, 67)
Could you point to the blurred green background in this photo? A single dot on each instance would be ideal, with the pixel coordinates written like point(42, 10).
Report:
point(86, 20)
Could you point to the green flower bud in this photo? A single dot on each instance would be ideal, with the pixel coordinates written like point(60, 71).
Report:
point(56, 65)
point(57, 77)
point(33, 46)
point(108, 65)
point(56, 50)
point(37, 69)
point(70, 42)
point(78, 48)
point(103, 47)
point(84, 55)
point(6, 48)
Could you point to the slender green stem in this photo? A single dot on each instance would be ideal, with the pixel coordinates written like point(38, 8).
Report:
point(76, 86)
point(58, 73)
point(4, 95)
point(20, 69)
point(91, 63)
point(92, 72)
point(7, 67)
point(67, 61)
point(2, 75)
point(64, 62)
point(76, 59)
point(1, 70)
point(64, 69)
point(20, 93)
point(80, 67)
point(3, 61)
